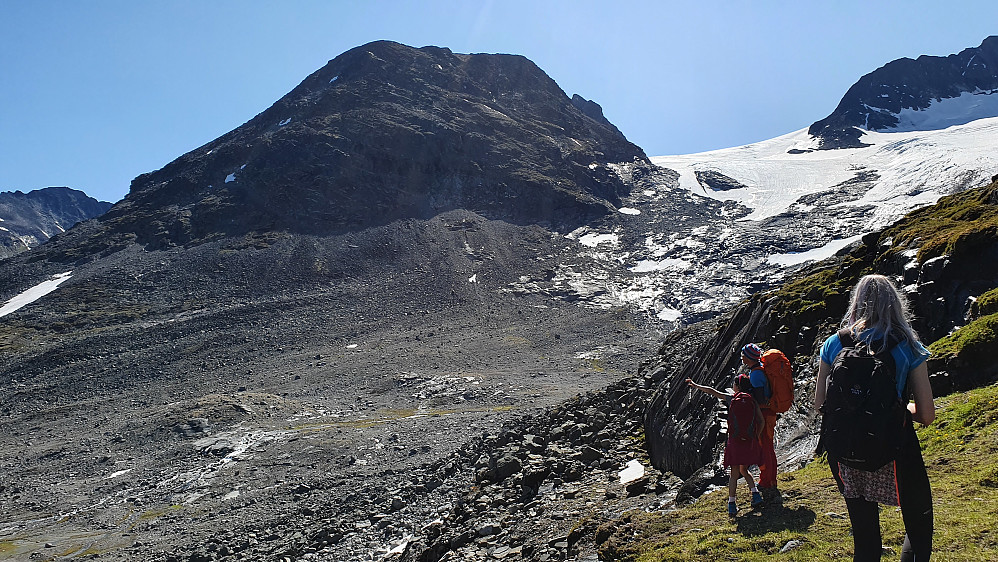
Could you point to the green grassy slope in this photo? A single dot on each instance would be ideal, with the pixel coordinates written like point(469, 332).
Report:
point(960, 452)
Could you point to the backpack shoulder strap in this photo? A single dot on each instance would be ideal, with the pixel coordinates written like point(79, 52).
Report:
point(845, 336)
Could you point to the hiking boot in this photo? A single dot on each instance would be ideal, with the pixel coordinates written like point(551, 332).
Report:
point(732, 509)
point(757, 500)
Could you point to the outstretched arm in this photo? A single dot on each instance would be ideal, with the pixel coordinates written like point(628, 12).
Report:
point(707, 389)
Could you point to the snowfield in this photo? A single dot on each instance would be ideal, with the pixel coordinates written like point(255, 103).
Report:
point(915, 168)
point(681, 251)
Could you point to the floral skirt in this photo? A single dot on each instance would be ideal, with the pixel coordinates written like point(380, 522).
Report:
point(878, 486)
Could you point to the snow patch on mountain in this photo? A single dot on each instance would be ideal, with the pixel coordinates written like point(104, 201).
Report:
point(693, 251)
point(948, 112)
point(34, 293)
point(914, 169)
point(816, 254)
point(593, 239)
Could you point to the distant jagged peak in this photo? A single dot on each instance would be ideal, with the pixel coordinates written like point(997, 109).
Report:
point(29, 219)
point(927, 93)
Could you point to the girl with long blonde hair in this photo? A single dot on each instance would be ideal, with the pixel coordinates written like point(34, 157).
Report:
point(878, 318)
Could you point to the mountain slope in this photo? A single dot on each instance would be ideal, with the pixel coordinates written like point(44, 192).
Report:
point(28, 219)
point(284, 342)
point(386, 132)
point(915, 95)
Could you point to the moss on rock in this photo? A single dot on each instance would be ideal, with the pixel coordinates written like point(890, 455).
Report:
point(973, 343)
point(957, 225)
point(985, 304)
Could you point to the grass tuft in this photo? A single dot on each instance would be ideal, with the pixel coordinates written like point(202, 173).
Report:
point(973, 343)
point(985, 304)
point(959, 225)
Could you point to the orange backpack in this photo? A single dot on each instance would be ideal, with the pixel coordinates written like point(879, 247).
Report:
point(781, 380)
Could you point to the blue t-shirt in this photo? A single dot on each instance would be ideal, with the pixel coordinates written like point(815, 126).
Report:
point(906, 356)
point(759, 380)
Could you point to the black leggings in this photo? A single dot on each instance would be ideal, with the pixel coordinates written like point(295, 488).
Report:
point(916, 509)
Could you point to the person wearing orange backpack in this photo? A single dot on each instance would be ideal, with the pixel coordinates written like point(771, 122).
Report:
point(762, 392)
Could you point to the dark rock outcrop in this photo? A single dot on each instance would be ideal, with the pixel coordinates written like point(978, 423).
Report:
point(717, 181)
point(683, 429)
point(386, 132)
point(873, 102)
point(29, 219)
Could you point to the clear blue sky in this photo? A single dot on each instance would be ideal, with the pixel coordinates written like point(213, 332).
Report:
point(93, 93)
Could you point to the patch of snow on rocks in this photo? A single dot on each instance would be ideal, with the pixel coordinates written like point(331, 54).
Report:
point(668, 264)
point(594, 239)
point(34, 293)
point(826, 251)
point(118, 473)
point(669, 314)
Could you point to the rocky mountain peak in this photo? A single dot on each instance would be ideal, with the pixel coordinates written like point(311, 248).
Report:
point(926, 93)
point(29, 219)
point(386, 132)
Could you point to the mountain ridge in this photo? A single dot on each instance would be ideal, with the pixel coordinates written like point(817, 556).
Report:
point(876, 100)
point(29, 219)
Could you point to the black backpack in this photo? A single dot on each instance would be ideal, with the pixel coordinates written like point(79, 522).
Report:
point(863, 420)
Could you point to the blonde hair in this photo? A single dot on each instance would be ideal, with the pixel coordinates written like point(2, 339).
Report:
point(877, 305)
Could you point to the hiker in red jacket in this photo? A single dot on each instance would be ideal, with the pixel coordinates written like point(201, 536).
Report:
point(742, 448)
point(761, 391)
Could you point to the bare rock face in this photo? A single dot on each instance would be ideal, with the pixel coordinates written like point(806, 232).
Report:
point(874, 102)
point(386, 132)
point(29, 219)
point(683, 429)
point(717, 181)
